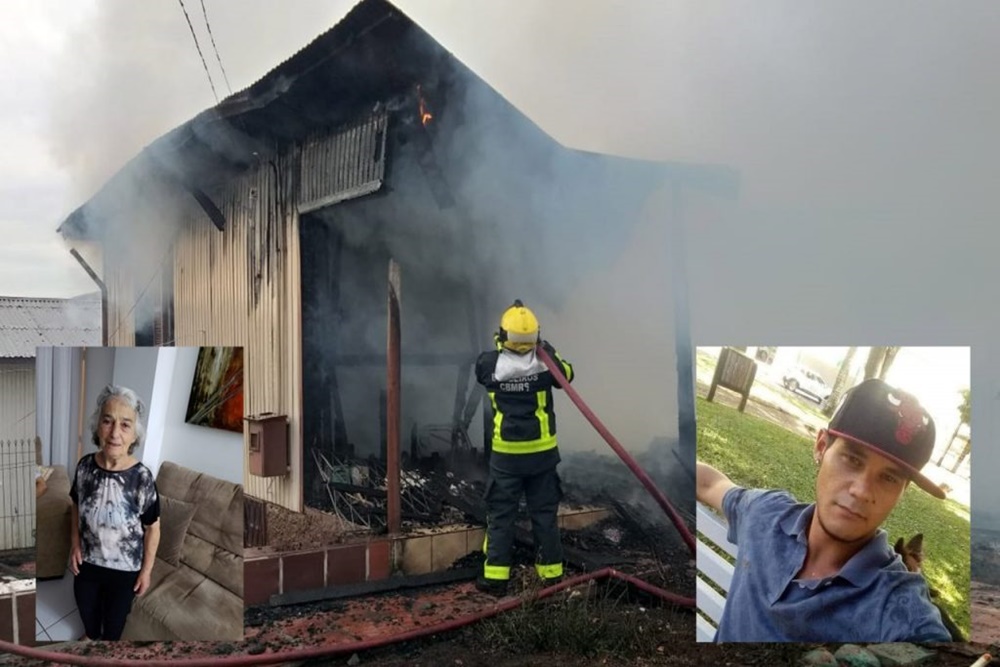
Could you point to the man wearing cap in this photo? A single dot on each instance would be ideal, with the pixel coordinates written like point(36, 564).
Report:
point(825, 572)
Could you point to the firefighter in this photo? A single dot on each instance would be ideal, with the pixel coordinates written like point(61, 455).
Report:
point(524, 452)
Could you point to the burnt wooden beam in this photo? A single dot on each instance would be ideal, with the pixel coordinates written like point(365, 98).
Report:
point(207, 205)
point(393, 392)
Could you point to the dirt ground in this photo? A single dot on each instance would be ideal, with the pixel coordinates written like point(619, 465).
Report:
point(289, 531)
point(762, 410)
point(674, 646)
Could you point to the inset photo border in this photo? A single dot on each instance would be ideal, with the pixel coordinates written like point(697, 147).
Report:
point(833, 482)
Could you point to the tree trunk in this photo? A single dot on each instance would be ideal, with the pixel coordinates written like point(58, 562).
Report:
point(874, 362)
point(840, 384)
point(887, 359)
point(950, 443)
point(965, 452)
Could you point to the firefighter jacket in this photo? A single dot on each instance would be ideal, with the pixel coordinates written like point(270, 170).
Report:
point(520, 391)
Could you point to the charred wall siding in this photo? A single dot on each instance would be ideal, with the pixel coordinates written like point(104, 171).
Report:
point(345, 165)
point(240, 287)
point(121, 298)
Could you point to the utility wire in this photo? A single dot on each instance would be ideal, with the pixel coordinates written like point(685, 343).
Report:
point(197, 46)
point(214, 48)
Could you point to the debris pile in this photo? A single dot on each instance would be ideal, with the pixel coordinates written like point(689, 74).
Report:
point(357, 490)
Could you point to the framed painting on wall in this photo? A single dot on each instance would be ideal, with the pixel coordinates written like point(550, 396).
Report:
point(217, 389)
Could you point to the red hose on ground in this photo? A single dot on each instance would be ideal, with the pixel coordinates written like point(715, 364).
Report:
point(454, 624)
point(619, 450)
point(353, 647)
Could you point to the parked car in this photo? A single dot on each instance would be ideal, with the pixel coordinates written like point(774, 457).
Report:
point(804, 381)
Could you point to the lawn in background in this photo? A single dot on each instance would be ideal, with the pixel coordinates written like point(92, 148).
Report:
point(756, 453)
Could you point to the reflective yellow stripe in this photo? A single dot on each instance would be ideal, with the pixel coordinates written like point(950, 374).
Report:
point(542, 415)
point(486, 541)
point(549, 571)
point(500, 572)
point(525, 446)
point(544, 443)
point(497, 417)
point(566, 368)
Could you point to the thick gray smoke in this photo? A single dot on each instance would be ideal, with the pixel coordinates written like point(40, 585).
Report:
point(865, 137)
point(581, 239)
point(130, 72)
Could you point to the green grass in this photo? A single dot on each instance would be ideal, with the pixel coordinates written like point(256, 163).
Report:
point(757, 453)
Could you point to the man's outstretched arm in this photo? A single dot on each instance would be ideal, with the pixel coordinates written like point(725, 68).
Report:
point(711, 485)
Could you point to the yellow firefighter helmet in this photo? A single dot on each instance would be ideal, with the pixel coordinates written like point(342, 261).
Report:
point(519, 330)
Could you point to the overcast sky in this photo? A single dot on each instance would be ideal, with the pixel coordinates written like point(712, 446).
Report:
point(827, 109)
point(866, 136)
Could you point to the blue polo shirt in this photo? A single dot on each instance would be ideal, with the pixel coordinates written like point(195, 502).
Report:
point(872, 599)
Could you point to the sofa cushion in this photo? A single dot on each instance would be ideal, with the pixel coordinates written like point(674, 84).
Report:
point(183, 604)
point(175, 517)
point(223, 567)
point(219, 517)
point(53, 515)
point(56, 491)
point(214, 541)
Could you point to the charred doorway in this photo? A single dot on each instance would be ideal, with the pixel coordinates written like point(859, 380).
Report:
point(345, 261)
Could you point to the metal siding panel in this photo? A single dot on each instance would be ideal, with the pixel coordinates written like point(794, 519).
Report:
point(214, 304)
point(294, 360)
point(217, 289)
point(341, 165)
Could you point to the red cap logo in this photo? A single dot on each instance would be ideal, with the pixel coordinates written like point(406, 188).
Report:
point(910, 417)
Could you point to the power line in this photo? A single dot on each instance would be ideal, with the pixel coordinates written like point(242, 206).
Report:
point(197, 46)
point(214, 48)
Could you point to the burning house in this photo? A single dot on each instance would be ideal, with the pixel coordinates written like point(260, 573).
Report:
point(372, 184)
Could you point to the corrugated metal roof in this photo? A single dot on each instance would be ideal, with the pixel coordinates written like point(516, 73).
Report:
point(27, 323)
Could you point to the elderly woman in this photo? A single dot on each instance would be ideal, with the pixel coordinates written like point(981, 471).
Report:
point(116, 509)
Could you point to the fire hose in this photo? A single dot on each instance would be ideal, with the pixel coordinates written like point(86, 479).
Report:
point(619, 450)
point(453, 624)
point(352, 647)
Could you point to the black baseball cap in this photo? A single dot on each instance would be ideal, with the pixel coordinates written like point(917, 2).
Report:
point(890, 422)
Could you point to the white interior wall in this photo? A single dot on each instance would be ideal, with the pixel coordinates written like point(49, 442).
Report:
point(213, 451)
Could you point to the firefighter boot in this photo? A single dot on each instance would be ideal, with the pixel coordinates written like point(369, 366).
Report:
point(495, 587)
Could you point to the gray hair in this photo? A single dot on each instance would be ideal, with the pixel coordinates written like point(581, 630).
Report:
point(128, 397)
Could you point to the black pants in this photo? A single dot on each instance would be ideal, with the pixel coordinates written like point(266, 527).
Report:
point(104, 598)
point(542, 492)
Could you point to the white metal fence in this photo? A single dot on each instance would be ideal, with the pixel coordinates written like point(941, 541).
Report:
point(17, 494)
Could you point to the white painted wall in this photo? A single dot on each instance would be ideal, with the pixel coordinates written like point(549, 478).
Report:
point(162, 378)
point(213, 451)
point(17, 399)
point(159, 403)
point(100, 372)
point(135, 368)
point(58, 386)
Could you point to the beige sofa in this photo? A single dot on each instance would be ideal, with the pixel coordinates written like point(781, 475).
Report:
point(53, 515)
point(202, 598)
